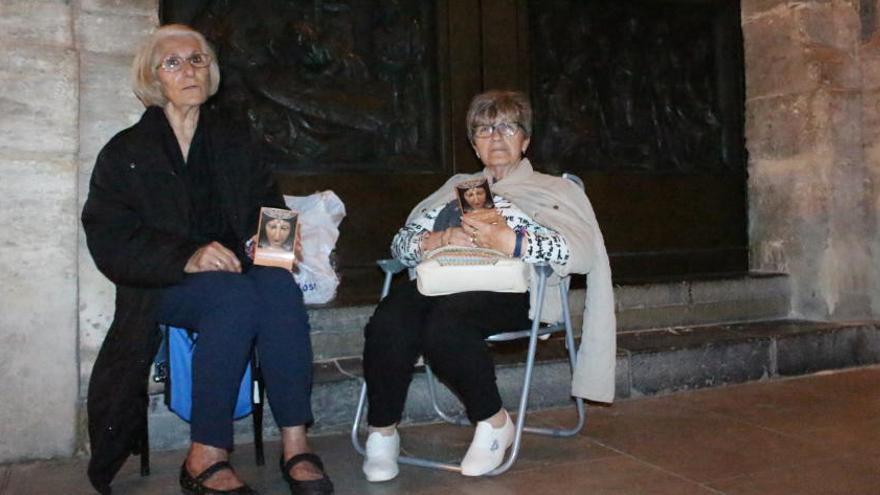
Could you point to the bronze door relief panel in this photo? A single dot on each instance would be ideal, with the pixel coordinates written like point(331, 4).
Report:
point(642, 98)
point(328, 86)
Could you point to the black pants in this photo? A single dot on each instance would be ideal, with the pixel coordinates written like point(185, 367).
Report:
point(231, 312)
point(449, 331)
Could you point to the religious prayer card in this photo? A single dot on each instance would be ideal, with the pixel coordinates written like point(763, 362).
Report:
point(474, 195)
point(276, 239)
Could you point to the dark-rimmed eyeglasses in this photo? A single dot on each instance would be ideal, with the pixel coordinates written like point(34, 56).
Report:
point(506, 129)
point(174, 63)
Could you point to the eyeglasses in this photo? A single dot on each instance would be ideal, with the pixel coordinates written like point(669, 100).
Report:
point(506, 129)
point(174, 63)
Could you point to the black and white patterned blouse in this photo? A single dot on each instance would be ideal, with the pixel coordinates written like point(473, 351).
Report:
point(543, 244)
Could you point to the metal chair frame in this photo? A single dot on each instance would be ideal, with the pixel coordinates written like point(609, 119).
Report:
point(543, 270)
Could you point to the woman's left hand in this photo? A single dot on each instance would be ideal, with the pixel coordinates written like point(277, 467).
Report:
point(491, 232)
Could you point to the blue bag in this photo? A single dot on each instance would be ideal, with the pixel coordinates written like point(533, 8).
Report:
point(180, 345)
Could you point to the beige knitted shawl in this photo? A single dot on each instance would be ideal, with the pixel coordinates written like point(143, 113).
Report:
point(561, 205)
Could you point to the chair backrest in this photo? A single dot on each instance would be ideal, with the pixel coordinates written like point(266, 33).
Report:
point(574, 178)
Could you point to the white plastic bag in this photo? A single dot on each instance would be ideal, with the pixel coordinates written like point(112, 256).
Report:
point(319, 218)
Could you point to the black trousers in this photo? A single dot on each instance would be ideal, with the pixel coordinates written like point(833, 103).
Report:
point(449, 331)
point(231, 312)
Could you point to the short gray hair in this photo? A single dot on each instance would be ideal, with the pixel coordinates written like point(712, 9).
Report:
point(494, 105)
point(144, 79)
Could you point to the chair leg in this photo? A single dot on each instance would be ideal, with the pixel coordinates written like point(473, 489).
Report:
point(145, 446)
point(572, 361)
point(358, 417)
point(432, 392)
point(412, 461)
point(258, 401)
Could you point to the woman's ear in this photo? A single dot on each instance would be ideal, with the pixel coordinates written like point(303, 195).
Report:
point(525, 145)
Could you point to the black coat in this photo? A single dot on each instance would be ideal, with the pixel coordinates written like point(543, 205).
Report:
point(137, 226)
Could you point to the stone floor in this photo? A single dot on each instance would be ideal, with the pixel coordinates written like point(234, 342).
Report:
point(817, 434)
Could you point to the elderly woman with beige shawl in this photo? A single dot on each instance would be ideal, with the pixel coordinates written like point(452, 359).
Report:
point(537, 217)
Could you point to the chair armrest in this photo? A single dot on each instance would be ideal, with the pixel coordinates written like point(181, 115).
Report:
point(391, 266)
point(543, 268)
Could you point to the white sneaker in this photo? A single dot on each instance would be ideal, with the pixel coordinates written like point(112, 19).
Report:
point(380, 461)
point(487, 448)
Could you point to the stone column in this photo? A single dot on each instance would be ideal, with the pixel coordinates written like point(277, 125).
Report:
point(38, 147)
point(64, 92)
point(811, 200)
point(870, 59)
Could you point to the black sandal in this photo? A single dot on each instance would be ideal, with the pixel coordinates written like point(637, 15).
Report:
point(322, 486)
point(195, 486)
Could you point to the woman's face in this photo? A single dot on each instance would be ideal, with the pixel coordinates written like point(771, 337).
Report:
point(190, 85)
point(498, 150)
point(475, 197)
point(277, 232)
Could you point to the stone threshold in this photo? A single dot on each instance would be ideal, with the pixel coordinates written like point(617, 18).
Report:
point(649, 362)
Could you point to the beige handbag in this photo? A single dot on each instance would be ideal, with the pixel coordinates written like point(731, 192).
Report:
point(453, 269)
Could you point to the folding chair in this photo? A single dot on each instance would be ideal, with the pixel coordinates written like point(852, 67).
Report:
point(173, 368)
point(391, 267)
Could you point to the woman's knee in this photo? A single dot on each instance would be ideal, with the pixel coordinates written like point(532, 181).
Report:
point(445, 340)
point(277, 287)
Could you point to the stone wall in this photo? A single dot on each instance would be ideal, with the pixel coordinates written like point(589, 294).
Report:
point(812, 122)
point(63, 74)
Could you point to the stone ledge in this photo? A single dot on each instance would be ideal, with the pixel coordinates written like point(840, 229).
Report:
point(338, 332)
point(649, 362)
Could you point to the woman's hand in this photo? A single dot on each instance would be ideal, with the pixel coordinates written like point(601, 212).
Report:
point(453, 236)
point(488, 215)
point(213, 257)
point(487, 231)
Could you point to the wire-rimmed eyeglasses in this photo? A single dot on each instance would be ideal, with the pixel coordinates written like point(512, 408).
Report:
point(506, 129)
point(174, 63)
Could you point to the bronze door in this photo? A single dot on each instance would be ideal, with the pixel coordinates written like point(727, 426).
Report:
point(642, 98)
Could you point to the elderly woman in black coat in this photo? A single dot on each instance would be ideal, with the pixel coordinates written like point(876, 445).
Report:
point(172, 202)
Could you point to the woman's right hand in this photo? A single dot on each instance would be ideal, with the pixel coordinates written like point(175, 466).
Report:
point(213, 257)
point(453, 236)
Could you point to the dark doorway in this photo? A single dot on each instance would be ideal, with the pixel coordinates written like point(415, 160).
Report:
point(642, 98)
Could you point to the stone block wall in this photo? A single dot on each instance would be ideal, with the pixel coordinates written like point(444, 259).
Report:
point(38, 149)
point(63, 74)
point(811, 126)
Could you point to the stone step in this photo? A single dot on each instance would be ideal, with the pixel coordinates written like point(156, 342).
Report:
point(338, 332)
point(649, 362)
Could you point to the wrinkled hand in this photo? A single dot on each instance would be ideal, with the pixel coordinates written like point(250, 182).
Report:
point(489, 234)
point(453, 236)
point(213, 257)
point(488, 215)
